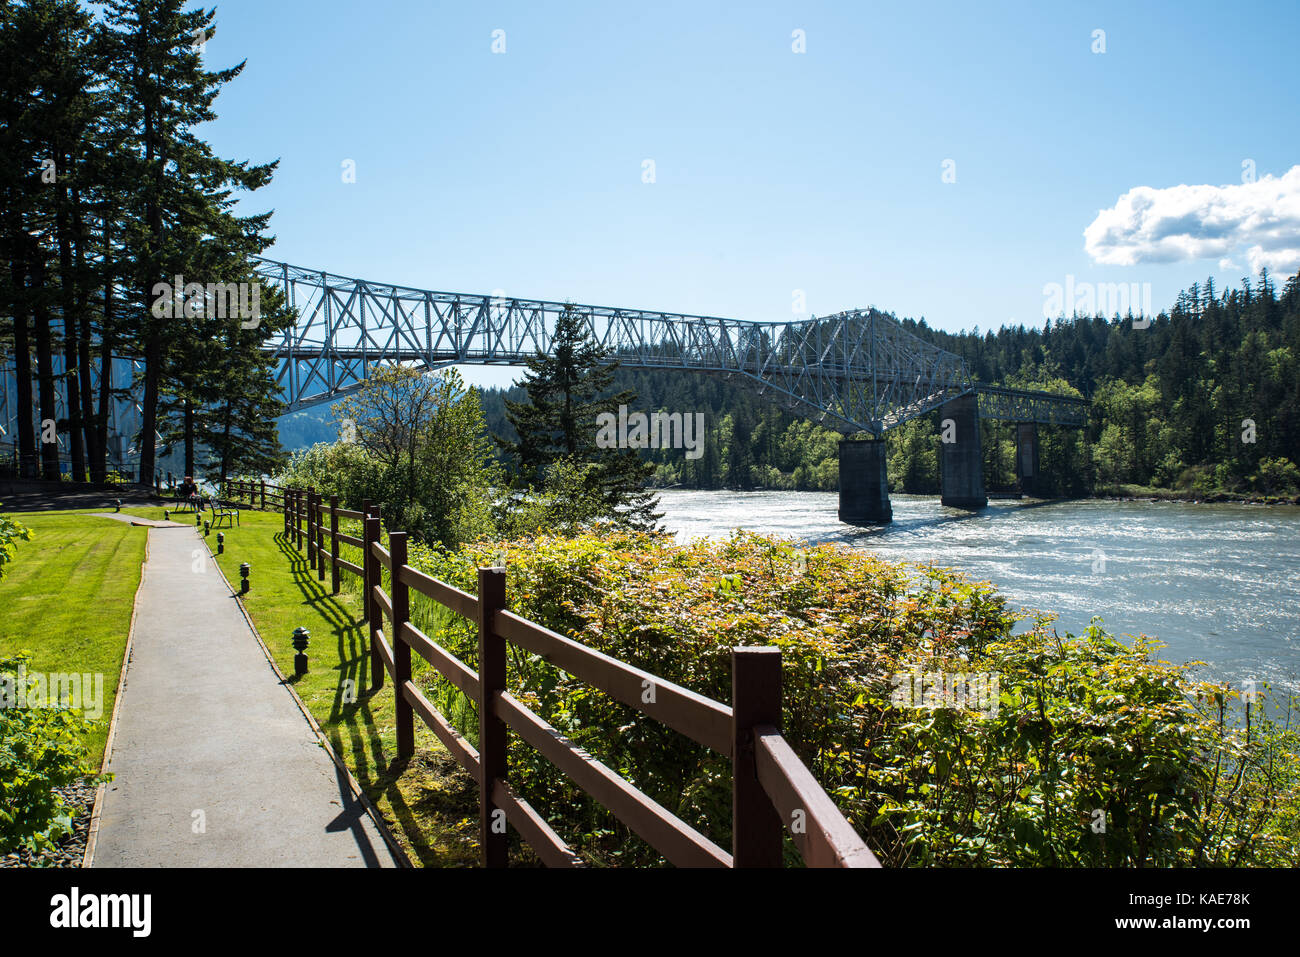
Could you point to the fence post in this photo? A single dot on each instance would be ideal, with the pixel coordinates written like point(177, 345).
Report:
point(311, 531)
point(401, 598)
point(365, 560)
point(284, 507)
point(314, 530)
point(320, 537)
point(756, 828)
point(374, 576)
point(262, 483)
point(491, 729)
point(334, 544)
point(300, 506)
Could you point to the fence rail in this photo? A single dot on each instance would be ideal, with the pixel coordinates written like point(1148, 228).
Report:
point(772, 790)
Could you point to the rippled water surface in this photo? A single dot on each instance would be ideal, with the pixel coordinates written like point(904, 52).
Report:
point(1216, 583)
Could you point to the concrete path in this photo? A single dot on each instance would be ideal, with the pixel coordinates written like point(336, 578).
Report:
point(214, 763)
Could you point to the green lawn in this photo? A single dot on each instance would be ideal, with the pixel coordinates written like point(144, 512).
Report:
point(429, 802)
point(68, 596)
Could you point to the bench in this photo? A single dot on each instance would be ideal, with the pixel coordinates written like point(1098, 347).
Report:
point(224, 510)
point(182, 503)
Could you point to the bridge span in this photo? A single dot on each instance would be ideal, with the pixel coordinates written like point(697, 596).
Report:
point(858, 372)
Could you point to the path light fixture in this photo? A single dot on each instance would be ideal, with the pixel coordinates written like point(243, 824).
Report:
point(301, 636)
point(117, 505)
point(167, 516)
point(198, 519)
point(243, 575)
point(207, 529)
point(221, 543)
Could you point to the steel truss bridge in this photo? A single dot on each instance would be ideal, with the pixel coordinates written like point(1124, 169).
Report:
point(855, 371)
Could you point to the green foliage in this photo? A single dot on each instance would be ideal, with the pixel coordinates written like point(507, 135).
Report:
point(1084, 726)
point(1277, 477)
point(11, 532)
point(41, 748)
point(568, 393)
point(107, 189)
point(565, 504)
point(416, 446)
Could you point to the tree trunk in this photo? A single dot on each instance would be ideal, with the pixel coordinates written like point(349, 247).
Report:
point(189, 436)
point(94, 456)
point(23, 369)
point(149, 406)
point(67, 290)
point(44, 368)
point(106, 337)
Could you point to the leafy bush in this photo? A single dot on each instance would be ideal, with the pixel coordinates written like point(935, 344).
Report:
point(1095, 754)
point(41, 749)
point(415, 445)
point(1278, 477)
point(11, 533)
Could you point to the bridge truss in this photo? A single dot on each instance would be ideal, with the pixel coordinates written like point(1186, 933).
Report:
point(855, 371)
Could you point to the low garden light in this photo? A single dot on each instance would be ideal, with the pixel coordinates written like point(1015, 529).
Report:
point(243, 578)
point(167, 516)
point(198, 519)
point(117, 505)
point(207, 529)
point(301, 637)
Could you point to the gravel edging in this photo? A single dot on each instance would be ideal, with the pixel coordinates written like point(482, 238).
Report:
point(80, 796)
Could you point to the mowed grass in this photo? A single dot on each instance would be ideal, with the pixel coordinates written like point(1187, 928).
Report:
point(430, 803)
point(67, 599)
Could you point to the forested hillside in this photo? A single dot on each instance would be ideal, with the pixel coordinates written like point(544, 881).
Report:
point(1173, 405)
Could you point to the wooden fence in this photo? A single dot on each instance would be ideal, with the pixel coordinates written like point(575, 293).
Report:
point(772, 790)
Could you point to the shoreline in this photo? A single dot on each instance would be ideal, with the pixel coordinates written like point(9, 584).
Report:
point(1146, 495)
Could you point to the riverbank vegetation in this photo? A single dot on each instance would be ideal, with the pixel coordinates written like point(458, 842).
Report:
point(1090, 751)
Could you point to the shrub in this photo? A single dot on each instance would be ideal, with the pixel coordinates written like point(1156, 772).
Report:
point(41, 749)
point(11, 533)
point(1096, 753)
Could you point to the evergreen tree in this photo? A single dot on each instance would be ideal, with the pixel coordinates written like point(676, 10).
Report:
point(182, 191)
point(568, 390)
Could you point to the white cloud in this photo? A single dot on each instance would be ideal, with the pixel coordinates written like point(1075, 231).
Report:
point(1149, 225)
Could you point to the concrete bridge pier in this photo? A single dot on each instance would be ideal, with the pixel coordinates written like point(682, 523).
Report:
point(961, 464)
point(864, 487)
point(1027, 457)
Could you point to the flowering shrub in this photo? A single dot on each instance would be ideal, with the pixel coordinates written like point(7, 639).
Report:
point(1092, 753)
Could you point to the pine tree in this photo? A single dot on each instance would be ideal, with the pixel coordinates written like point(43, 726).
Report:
point(182, 196)
point(567, 391)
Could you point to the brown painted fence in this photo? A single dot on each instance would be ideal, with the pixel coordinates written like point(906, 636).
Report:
point(772, 790)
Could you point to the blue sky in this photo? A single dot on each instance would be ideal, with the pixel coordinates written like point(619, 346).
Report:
point(774, 171)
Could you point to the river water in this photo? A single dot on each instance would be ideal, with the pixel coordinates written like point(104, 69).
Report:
point(1216, 583)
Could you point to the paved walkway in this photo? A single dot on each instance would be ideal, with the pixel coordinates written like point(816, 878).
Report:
point(215, 764)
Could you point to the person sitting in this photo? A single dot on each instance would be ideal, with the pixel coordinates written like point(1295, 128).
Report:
point(188, 492)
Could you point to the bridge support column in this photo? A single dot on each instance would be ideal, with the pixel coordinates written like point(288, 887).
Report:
point(1027, 457)
point(864, 486)
point(961, 464)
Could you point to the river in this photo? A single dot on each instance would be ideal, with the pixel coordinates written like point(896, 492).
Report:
point(1215, 583)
